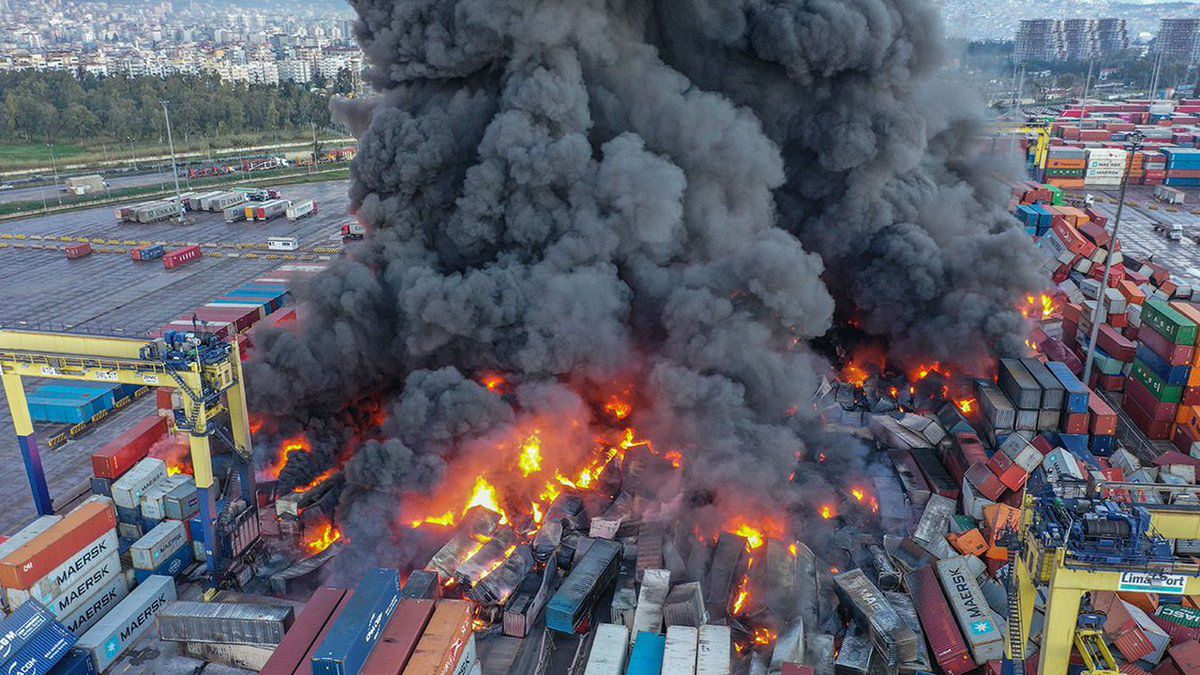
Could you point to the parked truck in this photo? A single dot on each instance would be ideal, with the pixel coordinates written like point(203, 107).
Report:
point(235, 213)
point(82, 185)
point(271, 210)
point(352, 231)
point(1168, 194)
point(302, 209)
point(225, 200)
point(1172, 231)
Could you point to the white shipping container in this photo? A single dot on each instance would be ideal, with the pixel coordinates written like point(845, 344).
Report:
point(679, 655)
point(713, 651)
point(159, 544)
point(133, 616)
point(92, 608)
point(128, 489)
point(65, 576)
point(235, 213)
point(648, 616)
point(608, 650)
point(151, 501)
point(301, 209)
point(971, 609)
point(75, 595)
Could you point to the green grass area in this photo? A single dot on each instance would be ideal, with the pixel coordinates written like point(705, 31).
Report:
point(36, 154)
point(289, 176)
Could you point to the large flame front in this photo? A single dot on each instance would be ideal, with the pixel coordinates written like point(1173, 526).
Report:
point(323, 539)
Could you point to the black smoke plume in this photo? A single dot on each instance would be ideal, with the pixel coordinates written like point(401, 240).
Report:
point(675, 194)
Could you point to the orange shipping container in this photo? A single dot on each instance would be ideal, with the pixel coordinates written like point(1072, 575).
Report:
point(997, 518)
point(1147, 602)
point(446, 638)
point(24, 566)
point(968, 543)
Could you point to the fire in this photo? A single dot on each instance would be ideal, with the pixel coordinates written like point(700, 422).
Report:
point(827, 512)
point(617, 408)
point(674, 457)
point(256, 423)
point(1041, 307)
point(537, 513)
point(754, 538)
point(445, 519)
point(854, 375)
point(286, 448)
point(834, 570)
point(858, 493)
point(324, 539)
point(317, 481)
point(484, 494)
point(494, 382)
point(530, 460)
point(764, 636)
point(966, 405)
point(792, 549)
point(739, 602)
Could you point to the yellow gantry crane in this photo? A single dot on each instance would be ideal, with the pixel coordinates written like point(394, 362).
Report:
point(205, 371)
point(1067, 578)
point(1041, 134)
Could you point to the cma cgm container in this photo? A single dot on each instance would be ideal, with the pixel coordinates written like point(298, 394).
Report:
point(448, 645)
point(400, 638)
point(571, 606)
point(319, 612)
point(181, 256)
point(76, 662)
point(120, 454)
point(24, 567)
point(647, 656)
point(354, 634)
point(148, 252)
point(971, 609)
point(21, 627)
point(42, 641)
point(76, 251)
point(133, 616)
point(941, 629)
point(608, 650)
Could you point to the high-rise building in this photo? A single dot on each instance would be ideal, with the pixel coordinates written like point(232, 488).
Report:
point(1069, 39)
point(1178, 40)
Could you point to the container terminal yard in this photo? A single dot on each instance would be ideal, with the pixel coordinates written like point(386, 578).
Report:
point(1038, 515)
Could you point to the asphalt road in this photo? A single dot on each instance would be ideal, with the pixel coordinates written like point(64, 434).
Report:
point(32, 194)
point(1139, 239)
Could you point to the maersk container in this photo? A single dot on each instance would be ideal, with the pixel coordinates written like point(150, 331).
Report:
point(92, 608)
point(76, 662)
point(571, 605)
point(41, 651)
point(29, 564)
point(183, 502)
point(128, 489)
point(257, 624)
point(713, 650)
point(971, 608)
point(151, 501)
point(133, 616)
point(608, 650)
point(172, 566)
point(679, 654)
point(350, 640)
point(940, 626)
point(71, 583)
point(158, 545)
point(647, 656)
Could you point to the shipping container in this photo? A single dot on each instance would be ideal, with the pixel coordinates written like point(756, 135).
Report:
point(1076, 393)
point(236, 213)
point(85, 571)
point(271, 210)
point(183, 502)
point(421, 585)
point(162, 542)
point(857, 655)
point(227, 202)
point(714, 650)
point(648, 617)
point(133, 616)
point(679, 653)
point(76, 662)
point(447, 646)
point(92, 608)
point(609, 648)
point(647, 655)
point(24, 567)
point(974, 616)
point(129, 488)
point(150, 504)
point(317, 615)
point(1019, 385)
point(1053, 392)
point(876, 616)
point(21, 627)
point(76, 251)
point(181, 256)
point(571, 606)
point(354, 634)
point(147, 252)
point(42, 649)
point(27, 534)
point(400, 638)
point(238, 623)
point(301, 210)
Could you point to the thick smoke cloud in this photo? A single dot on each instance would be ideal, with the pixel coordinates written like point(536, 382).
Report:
point(672, 194)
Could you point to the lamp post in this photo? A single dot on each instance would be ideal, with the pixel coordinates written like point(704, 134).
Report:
point(1133, 143)
point(174, 170)
point(54, 164)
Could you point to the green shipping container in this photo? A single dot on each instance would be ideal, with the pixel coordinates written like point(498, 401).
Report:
point(1057, 199)
point(1160, 389)
point(1168, 323)
point(1184, 616)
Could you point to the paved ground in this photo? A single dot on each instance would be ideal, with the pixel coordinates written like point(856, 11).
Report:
point(47, 192)
point(1137, 229)
point(111, 293)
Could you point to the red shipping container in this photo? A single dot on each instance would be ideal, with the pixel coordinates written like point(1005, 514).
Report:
point(76, 251)
point(1186, 657)
point(1191, 396)
point(1075, 423)
point(1012, 476)
point(1044, 446)
point(317, 614)
point(120, 454)
point(941, 628)
point(1183, 438)
point(1103, 417)
point(987, 483)
point(242, 318)
point(181, 256)
point(1144, 399)
point(162, 396)
point(1155, 431)
point(25, 566)
point(399, 638)
point(1111, 341)
point(1118, 321)
point(797, 669)
point(305, 667)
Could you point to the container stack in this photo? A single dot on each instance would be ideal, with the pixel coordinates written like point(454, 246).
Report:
point(1066, 167)
point(34, 641)
point(1155, 165)
point(1162, 369)
point(1105, 167)
point(1183, 167)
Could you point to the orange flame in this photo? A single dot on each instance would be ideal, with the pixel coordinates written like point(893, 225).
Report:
point(617, 408)
point(1041, 307)
point(445, 519)
point(317, 481)
point(753, 537)
point(827, 512)
point(324, 539)
point(858, 493)
point(674, 457)
point(494, 382)
point(530, 460)
point(484, 494)
point(792, 549)
point(739, 602)
point(764, 636)
point(966, 405)
point(286, 448)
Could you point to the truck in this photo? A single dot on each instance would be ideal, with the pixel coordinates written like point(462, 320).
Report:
point(271, 210)
point(76, 251)
point(1168, 194)
point(156, 211)
point(225, 200)
point(1172, 231)
point(301, 210)
point(351, 231)
point(147, 252)
point(235, 213)
point(82, 185)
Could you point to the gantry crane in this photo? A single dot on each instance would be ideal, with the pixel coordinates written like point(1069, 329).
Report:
point(206, 371)
point(1041, 132)
point(1076, 541)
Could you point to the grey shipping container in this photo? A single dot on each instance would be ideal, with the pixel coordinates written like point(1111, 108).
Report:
point(856, 654)
point(225, 622)
point(121, 627)
point(971, 609)
point(1020, 387)
point(234, 213)
point(996, 407)
point(874, 614)
point(589, 579)
point(609, 647)
point(91, 609)
point(421, 585)
point(908, 612)
point(713, 650)
point(1053, 392)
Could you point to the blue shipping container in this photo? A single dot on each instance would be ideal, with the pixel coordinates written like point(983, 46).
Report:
point(35, 640)
point(1175, 376)
point(351, 639)
point(1077, 394)
point(172, 566)
point(77, 662)
point(572, 604)
point(647, 656)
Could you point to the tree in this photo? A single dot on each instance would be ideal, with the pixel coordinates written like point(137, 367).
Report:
point(344, 82)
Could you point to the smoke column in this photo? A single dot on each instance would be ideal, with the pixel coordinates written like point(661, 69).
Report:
point(677, 195)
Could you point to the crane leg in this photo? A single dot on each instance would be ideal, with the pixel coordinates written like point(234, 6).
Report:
point(1062, 613)
point(14, 391)
point(207, 491)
